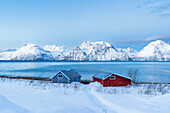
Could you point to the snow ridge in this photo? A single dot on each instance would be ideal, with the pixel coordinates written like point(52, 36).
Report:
point(57, 52)
point(89, 51)
point(102, 51)
point(129, 51)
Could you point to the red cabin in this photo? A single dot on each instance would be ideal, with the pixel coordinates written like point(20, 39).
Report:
point(109, 79)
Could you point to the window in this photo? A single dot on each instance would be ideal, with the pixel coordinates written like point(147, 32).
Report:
point(112, 77)
point(60, 75)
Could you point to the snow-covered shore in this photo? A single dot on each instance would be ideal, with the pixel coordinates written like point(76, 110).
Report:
point(26, 96)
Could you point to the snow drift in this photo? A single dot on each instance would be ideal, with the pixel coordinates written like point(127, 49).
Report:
point(8, 107)
point(45, 97)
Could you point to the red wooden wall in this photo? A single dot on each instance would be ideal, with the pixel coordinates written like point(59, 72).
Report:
point(119, 81)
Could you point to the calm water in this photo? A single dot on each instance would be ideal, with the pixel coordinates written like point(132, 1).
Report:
point(147, 71)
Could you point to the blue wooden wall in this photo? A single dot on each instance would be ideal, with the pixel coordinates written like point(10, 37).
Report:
point(64, 79)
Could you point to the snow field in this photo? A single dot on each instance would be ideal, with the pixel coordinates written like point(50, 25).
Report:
point(26, 96)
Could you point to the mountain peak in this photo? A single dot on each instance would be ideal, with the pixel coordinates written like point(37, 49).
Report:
point(129, 51)
point(156, 50)
point(158, 42)
point(103, 43)
point(31, 45)
point(76, 48)
point(54, 48)
point(87, 44)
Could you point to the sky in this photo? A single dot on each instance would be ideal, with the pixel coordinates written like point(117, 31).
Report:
point(123, 23)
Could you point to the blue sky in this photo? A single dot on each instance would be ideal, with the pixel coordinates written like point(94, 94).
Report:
point(123, 23)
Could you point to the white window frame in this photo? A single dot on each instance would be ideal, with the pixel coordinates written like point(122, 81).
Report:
point(59, 75)
point(112, 78)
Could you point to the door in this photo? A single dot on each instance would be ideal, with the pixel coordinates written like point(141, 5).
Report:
point(60, 78)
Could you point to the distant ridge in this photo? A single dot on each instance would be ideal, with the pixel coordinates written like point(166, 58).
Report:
point(88, 51)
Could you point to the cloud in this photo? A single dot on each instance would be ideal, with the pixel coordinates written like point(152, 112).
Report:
point(139, 43)
point(146, 39)
point(156, 7)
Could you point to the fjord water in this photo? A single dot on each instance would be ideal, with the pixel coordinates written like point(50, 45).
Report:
point(147, 71)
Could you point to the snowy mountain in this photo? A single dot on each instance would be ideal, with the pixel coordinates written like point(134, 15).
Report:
point(102, 51)
point(57, 52)
point(9, 50)
point(92, 51)
point(76, 54)
point(60, 49)
point(31, 52)
point(155, 51)
point(27, 52)
point(87, 46)
point(6, 55)
point(129, 51)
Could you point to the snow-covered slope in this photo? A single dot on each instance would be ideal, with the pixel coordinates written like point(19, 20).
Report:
point(76, 54)
point(6, 55)
point(129, 51)
point(60, 49)
point(102, 51)
point(8, 107)
point(57, 52)
point(27, 52)
point(46, 97)
point(155, 51)
point(31, 52)
point(87, 46)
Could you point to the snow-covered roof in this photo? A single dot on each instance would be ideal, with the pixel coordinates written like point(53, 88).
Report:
point(103, 75)
point(122, 75)
point(71, 73)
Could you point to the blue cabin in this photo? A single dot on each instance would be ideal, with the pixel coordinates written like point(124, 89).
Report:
point(66, 76)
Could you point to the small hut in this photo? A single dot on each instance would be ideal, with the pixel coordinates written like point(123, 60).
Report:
point(109, 79)
point(66, 76)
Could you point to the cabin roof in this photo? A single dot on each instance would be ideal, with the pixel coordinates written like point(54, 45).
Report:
point(103, 75)
point(71, 73)
point(122, 76)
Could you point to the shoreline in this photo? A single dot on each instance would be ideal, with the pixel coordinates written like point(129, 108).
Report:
point(81, 61)
point(50, 80)
point(37, 78)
